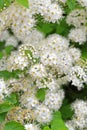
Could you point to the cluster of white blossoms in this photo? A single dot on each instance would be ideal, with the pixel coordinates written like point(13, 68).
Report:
point(78, 18)
point(51, 12)
point(23, 21)
point(77, 76)
point(45, 63)
point(79, 119)
point(31, 127)
point(8, 38)
point(82, 2)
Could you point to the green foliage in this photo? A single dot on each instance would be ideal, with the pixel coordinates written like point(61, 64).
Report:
point(1, 4)
point(46, 128)
point(45, 28)
point(5, 107)
point(66, 111)
point(1, 55)
point(2, 45)
point(71, 4)
point(12, 125)
point(7, 75)
point(57, 122)
point(63, 28)
point(5, 3)
point(8, 49)
point(2, 117)
point(41, 94)
point(84, 50)
point(23, 2)
point(12, 98)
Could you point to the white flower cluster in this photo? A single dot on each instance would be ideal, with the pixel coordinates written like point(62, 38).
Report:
point(23, 21)
point(82, 2)
point(77, 76)
point(78, 18)
point(47, 63)
point(9, 39)
point(79, 119)
point(31, 127)
point(51, 12)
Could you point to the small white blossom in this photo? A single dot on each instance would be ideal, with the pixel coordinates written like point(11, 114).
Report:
point(43, 114)
point(77, 76)
point(16, 61)
point(53, 13)
point(54, 100)
point(77, 17)
point(78, 35)
point(37, 71)
point(75, 54)
point(83, 2)
point(31, 127)
point(80, 117)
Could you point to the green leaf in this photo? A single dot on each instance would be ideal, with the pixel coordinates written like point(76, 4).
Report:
point(57, 122)
point(1, 55)
point(23, 2)
point(66, 112)
point(1, 4)
point(46, 128)
point(5, 107)
point(41, 94)
point(46, 28)
point(2, 117)
point(8, 49)
point(12, 125)
point(84, 50)
point(5, 3)
point(2, 45)
point(7, 75)
point(63, 28)
point(12, 98)
point(71, 4)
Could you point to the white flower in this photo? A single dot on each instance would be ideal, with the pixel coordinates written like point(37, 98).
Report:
point(53, 85)
point(70, 125)
point(53, 13)
point(54, 100)
point(30, 102)
point(4, 35)
point(64, 62)
point(80, 107)
point(80, 117)
point(31, 127)
point(43, 114)
point(11, 41)
point(57, 42)
point(37, 71)
point(35, 37)
point(49, 59)
point(39, 6)
point(77, 76)
point(77, 17)
point(16, 61)
point(28, 51)
point(75, 54)
point(78, 35)
point(83, 2)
